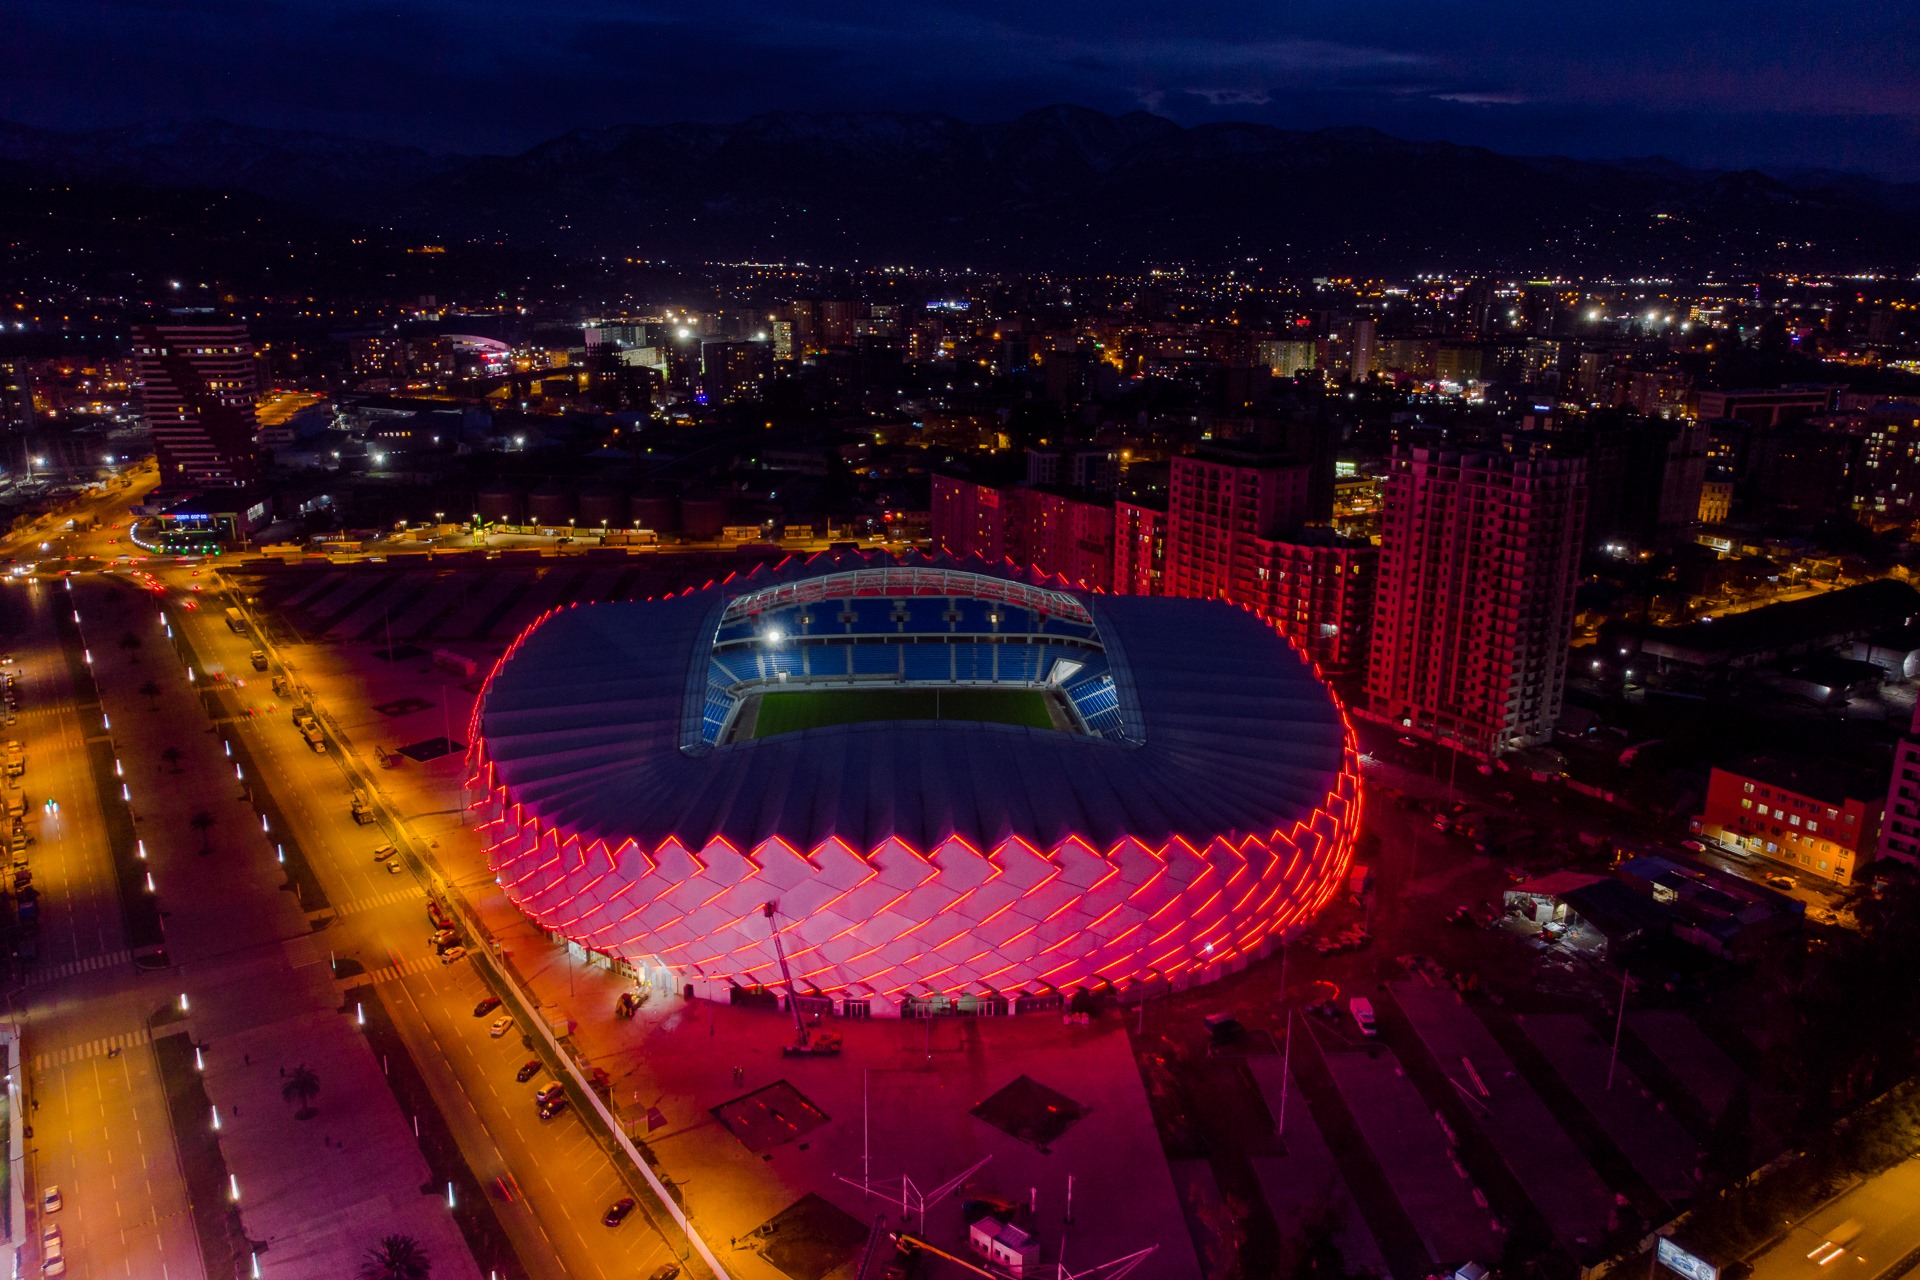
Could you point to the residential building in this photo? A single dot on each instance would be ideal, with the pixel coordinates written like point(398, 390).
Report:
point(198, 390)
point(1139, 549)
point(1770, 407)
point(735, 371)
point(1318, 588)
point(1819, 821)
point(1900, 822)
point(1478, 562)
point(1052, 530)
point(1219, 503)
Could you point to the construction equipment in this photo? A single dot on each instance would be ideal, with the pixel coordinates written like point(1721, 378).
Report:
point(822, 1045)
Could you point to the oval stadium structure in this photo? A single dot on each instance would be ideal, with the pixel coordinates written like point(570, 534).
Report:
point(959, 787)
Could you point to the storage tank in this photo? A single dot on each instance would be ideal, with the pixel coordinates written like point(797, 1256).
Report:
point(704, 515)
point(655, 508)
point(603, 506)
point(551, 505)
point(501, 503)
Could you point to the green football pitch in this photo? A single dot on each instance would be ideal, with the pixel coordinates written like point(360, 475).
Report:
point(789, 711)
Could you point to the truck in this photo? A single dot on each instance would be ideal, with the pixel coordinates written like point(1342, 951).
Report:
point(259, 659)
point(16, 758)
point(310, 730)
point(362, 808)
point(236, 623)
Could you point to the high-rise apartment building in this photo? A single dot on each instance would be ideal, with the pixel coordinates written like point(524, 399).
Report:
point(1237, 530)
point(1479, 559)
point(1899, 836)
point(1218, 503)
point(1052, 531)
point(198, 389)
point(1139, 549)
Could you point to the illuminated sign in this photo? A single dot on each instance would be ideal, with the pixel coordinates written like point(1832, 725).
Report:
point(1673, 1257)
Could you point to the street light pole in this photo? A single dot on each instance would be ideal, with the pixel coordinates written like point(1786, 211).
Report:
point(1619, 1023)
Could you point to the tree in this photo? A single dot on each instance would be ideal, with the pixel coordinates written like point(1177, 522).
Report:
point(202, 821)
point(302, 1086)
point(151, 692)
point(1310, 1243)
point(396, 1258)
point(130, 642)
point(172, 756)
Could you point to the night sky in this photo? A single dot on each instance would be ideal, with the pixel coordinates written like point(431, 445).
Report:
point(1781, 84)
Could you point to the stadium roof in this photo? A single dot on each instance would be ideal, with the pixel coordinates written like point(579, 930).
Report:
point(585, 723)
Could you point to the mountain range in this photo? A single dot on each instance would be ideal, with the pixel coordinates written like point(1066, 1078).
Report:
point(1061, 188)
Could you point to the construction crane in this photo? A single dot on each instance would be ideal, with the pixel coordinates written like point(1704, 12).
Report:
point(824, 1045)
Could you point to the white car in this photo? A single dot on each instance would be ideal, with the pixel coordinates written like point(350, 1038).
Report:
point(501, 1025)
point(51, 1202)
point(452, 955)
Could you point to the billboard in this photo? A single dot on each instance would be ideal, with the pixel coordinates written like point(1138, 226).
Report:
point(1673, 1257)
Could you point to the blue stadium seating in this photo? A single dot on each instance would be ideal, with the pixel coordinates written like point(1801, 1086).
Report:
point(741, 654)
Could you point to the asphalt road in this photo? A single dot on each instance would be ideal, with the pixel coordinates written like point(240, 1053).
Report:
point(1887, 1209)
point(561, 1179)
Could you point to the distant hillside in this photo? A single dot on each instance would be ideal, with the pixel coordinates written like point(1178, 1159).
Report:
point(1063, 187)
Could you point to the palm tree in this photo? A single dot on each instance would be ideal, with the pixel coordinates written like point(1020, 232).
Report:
point(301, 1087)
point(202, 821)
point(151, 692)
point(172, 756)
point(396, 1258)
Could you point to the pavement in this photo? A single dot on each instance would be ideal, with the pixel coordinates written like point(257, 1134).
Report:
point(97, 1116)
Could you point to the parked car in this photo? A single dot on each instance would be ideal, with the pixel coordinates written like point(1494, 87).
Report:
point(1362, 1010)
point(617, 1211)
point(547, 1093)
point(555, 1107)
point(453, 955)
point(666, 1271)
point(50, 1200)
point(501, 1025)
point(528, 1070)
point(486, 1006)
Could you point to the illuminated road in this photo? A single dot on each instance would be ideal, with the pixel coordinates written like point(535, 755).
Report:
point(1887, 1209)
point(564, 1179)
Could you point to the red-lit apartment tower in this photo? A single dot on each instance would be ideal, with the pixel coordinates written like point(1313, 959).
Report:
point(1139, 549)
point(198, 386)
point(1478, 562)
point(1033, 527)
point(1218, 504)
point(1236, 531)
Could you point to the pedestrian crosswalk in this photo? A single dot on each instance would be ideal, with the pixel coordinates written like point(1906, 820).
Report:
point(88, 964)
point(100, 1048)
point(411, 893)
point(392, 972)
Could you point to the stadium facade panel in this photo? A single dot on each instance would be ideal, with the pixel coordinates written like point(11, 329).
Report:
point(1196, 796)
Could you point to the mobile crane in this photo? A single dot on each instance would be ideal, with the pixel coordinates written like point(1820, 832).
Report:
point(824, 1044)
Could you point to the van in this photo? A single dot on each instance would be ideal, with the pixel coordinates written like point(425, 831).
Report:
point(1362, 1010)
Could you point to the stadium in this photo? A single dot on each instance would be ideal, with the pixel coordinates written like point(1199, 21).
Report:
point(959, 787)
